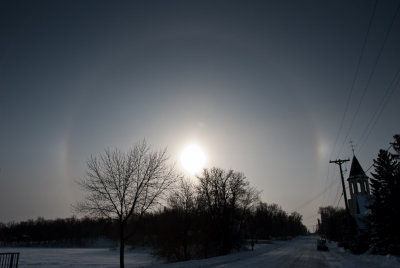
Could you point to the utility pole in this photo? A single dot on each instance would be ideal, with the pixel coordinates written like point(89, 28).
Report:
point(340, 162)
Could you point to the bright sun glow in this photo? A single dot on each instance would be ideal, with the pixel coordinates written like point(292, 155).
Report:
point(193, 158)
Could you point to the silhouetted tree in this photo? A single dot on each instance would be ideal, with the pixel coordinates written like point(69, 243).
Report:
point(224, 197)
point(125, 185)
point(396, 146)
point(183, 201)
point(172, 229)
point(295, 225)
point(385, 210)
point(270, 220)
point(334, 223)
point(58, 232)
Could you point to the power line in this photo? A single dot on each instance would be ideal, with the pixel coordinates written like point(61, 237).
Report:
point(375, 64)
point(315, 197)
point(337, 205)
point(325, 201)
point(339, 162)
point(326, 180)
point(381, 107)
point(364, 44)
point(373, 163)
point(355, 77)
point(337, 193)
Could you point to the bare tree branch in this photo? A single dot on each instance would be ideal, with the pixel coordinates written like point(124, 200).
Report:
point(121, 185)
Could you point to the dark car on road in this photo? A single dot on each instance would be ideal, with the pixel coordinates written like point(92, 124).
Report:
point(321, 244)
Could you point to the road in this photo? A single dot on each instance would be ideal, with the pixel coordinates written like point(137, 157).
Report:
point(299, 252)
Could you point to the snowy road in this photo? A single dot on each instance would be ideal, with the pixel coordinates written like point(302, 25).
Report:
point(300, 252)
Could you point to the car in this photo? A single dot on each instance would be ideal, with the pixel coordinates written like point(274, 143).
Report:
point(321, 244)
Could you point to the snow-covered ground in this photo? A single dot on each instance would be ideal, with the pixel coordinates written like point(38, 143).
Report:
point(299, 252)
point(80, 257)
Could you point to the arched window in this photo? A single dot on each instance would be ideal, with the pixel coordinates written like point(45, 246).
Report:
point(358, 187)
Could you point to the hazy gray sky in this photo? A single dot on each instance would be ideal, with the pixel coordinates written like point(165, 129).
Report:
point(262, 86)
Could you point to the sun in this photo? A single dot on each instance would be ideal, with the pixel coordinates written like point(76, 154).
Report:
point(193, 158)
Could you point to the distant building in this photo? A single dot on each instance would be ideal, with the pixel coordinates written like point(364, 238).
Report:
point(360, 195)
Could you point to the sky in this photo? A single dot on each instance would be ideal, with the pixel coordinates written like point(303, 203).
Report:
point(273, 89)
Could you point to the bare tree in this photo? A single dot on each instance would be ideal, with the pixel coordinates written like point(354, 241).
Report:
point(183, 197)
point(183, 201)
point(226, 197)
point(122, 186)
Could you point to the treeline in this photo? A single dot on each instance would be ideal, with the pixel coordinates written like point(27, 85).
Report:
point(60, 232)
point(333, 221)
point(217, 215)
point(270, 221)
point(337, 225)
point(383, 233)
point(177, 236)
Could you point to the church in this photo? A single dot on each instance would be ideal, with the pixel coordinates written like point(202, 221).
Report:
point(360, 195)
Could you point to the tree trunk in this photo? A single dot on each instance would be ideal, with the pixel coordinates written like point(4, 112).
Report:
point(121, 245)
point(185, 237)
point(185, 246)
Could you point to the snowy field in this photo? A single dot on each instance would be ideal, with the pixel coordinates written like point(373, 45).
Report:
point(299, 252)
point(80, 257)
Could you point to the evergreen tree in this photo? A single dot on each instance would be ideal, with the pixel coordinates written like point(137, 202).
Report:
point(396, 146)
point(385, 186)
point(395, 198)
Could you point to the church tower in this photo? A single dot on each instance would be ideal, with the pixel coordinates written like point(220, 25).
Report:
point(360, 196)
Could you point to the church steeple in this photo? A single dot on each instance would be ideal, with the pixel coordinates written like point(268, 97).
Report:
point(358, 181)
point(356, 170)
point(359, 191)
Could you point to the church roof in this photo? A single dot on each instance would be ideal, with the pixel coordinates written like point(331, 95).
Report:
point(356, 169)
